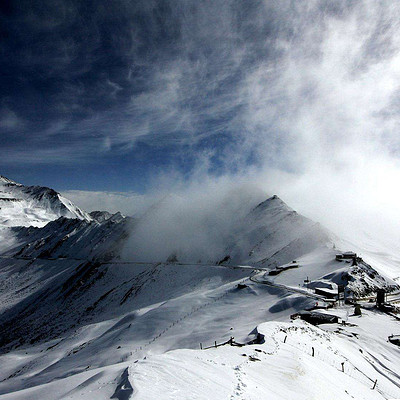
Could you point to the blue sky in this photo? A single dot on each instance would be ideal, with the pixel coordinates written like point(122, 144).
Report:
point(299, 97)
point(103, 95)
point(92, 91)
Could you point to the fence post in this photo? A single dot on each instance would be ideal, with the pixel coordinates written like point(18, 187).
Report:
point(376, 380)
point(312, 351)
point(201, 346)
point(343, 366)
point(284, 341)
point(215, 343)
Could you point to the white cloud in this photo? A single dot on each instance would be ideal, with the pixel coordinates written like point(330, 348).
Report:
point(127, 203)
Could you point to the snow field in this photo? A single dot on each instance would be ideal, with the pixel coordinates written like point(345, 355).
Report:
point(281, 368)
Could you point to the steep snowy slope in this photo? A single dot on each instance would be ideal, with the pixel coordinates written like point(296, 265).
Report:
point(73, 239)
point(33, 205)
point(266, 234)
point(272, 233)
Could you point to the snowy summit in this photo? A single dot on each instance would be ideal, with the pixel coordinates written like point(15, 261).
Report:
point(33, 205)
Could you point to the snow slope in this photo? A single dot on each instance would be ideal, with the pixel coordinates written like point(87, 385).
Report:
point(33, 205)
point(82, 325)
point(272, 233)
point(266, 234)
point(81, 316)
point(179, 308)
point(281, 368)
point(72, 238)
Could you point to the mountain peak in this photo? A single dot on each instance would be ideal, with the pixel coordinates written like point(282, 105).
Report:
point(272, 202)
point(22, 205)
point(100, 216)
point(6, 181)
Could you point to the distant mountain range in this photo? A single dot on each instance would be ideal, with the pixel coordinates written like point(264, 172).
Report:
point(45, 224)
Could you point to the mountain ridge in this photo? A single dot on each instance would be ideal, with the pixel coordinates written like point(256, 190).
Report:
point(34, 205)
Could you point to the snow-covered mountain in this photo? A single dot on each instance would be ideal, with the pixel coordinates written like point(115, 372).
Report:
point(33, 205)
point(73, 238)
point(272, 233)
point(82, 316)
point(236, 231)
